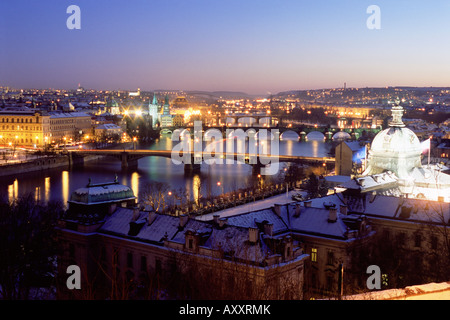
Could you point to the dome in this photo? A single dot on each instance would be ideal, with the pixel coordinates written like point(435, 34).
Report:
point(395, 149)
point(101, 193)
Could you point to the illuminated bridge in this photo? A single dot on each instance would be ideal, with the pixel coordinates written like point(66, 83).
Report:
point(129, 158)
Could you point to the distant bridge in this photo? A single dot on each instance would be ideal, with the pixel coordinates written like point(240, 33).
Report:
point(301, 132)
point(129, 158)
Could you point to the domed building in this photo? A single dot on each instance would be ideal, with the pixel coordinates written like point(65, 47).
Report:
point(91, 203)
point(395, 149)
point(394, 166)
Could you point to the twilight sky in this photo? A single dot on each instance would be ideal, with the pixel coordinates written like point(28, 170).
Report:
point(255, 46)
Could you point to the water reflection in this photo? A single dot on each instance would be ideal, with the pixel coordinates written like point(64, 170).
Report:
point(65, 186)
point(135, 183)
point(58, 184)
point(13, 190)
point(47, 189)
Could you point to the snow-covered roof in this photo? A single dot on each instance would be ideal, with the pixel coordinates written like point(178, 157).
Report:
point(68, 114)
point(390, 207)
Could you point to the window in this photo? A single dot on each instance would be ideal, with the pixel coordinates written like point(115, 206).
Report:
point(314, 254)
point(158, 266)
point(330, 258)
point(434, 242)
point(143, 263)
point(330, 283)
point(116, 260)
point(190, 244)
point(417, 240)
point(129, 260)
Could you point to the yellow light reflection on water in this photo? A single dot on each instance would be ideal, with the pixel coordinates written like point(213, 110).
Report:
point(315, 148)
point(13, 191)
point(196, 186)
point(37, 194)
point(47, 189)
point(135, 183)
point(65, 187)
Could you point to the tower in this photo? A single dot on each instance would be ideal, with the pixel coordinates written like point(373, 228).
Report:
point(166, 107)
point(153, 110)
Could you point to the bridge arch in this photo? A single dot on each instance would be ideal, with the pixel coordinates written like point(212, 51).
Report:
point(166, 131)
point(246, 121)
point(269, 134)
point(341, 135)
point(289, 135)
point(265, 120)
point(230, 120)
point(315, 135)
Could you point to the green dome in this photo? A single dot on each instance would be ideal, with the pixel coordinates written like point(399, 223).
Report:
point(101, 193)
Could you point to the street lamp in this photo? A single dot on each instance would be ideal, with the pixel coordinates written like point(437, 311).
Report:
point(219, 184)
point(134, 143)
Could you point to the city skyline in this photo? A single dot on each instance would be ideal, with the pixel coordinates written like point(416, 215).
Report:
point(257, 47)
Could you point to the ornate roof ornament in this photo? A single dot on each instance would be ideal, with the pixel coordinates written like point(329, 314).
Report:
point(397, 113)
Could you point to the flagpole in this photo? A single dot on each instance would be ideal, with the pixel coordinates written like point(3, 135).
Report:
point(429, 148)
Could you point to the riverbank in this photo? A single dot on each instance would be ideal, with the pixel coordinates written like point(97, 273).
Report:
point(42, 163)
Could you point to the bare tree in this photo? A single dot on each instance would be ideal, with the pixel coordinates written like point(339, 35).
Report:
point(155, 195)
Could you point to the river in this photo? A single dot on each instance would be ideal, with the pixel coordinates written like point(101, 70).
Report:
point(57, 184)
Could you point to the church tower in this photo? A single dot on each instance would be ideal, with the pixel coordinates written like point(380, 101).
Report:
point(153, 110)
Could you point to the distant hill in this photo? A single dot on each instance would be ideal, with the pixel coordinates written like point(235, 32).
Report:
point(223, 94)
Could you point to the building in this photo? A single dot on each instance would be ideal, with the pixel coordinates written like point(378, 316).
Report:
point(274, 253)
point(165, 118)
point(154, 110)
point(108, 130)
point(106, 235)
point(178, 120)
point(68, 125)
point(24, 127)
point(396, 154)
point(350, 156)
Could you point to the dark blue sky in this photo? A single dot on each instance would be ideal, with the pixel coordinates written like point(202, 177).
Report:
point(256, 46)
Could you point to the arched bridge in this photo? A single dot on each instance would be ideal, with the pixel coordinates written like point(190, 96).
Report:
point(129, 158)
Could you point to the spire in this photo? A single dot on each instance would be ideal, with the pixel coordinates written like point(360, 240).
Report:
point(397, 113)
point(155, 100)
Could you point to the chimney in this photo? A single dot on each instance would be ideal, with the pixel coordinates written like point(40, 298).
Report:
point(307, 204)
point(183, 220)
point(216, 219)
point(268, 229)
point(343, 209)
point(277, 208)
point(151, 217)
point(297, 210)
point(135, 214)
point(253, 235)
point(332, 216)
point(223, 222)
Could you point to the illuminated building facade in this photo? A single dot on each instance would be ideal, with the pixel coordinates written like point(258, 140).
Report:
point(24, 127)
point(68, 125)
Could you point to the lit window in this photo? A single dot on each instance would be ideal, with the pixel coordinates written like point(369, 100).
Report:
point(314, 254)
